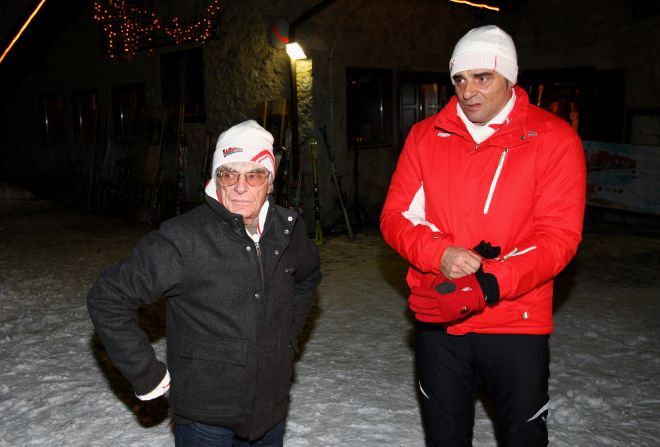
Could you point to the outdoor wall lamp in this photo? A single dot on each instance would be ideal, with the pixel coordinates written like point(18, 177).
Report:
point(295, 51)
point(281, 35)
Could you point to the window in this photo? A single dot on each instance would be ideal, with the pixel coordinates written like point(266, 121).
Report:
point(84, 104)
point(369, 107)
point(51, 120)
point(421, 95)
point(182, 82)
point(590, 100)
point(127, 101)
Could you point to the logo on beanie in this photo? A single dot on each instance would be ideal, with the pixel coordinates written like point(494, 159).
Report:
point(231, 150)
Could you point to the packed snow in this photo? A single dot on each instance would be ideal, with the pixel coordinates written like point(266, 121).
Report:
point(355, 382)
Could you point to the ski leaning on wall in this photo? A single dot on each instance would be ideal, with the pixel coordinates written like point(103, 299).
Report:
point(336, 181)
point(298, 184)
point(318, 229)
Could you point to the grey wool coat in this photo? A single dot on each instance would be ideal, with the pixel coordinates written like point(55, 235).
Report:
point(234, 310)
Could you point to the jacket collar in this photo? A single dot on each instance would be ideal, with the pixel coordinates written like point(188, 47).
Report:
point(235, 221)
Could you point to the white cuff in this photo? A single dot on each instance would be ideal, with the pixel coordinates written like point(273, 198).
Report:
point(161, 389)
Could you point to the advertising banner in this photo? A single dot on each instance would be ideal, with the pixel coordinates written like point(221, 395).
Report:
point(623, 176)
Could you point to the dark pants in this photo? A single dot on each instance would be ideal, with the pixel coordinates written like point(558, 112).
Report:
point(514, 368)
point(202, 435)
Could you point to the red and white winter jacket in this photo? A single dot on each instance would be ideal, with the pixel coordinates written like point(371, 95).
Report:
point(522, 189)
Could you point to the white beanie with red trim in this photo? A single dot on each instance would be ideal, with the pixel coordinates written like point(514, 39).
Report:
point(486, 47)
point(244, 142)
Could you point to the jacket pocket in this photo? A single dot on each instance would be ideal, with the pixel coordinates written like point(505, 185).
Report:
point(216, 350)
point(286, 370)
point(533, 310)
point(285, 290)
point(210, 376)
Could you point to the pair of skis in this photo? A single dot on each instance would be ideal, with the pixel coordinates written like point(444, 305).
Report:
point(296, 201)
point(318, 230)
point(336, 181)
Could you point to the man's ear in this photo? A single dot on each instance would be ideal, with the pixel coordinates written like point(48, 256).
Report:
point(509, 87)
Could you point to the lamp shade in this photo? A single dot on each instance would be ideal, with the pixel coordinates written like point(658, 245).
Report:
point(295, 51)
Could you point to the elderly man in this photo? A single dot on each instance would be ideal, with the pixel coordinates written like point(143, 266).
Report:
point(240, 275)
point(486, 204)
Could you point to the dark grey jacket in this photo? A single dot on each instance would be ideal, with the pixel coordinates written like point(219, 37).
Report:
point(234, 310)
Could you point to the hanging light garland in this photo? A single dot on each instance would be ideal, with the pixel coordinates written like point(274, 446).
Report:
point(129, 28)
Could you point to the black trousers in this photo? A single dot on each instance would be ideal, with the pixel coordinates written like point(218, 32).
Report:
point(514, 368)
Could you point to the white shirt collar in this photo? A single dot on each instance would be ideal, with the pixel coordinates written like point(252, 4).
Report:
point(480, 133)
point(262, 222)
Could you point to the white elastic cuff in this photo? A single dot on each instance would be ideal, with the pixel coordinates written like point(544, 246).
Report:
point(161, 389)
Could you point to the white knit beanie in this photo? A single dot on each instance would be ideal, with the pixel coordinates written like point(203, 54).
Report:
point(244, 142)
point(486, 47)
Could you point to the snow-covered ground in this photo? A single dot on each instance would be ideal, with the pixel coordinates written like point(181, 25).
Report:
point(354, 383)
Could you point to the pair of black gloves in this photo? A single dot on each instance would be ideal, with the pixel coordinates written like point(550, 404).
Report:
point(449, 300)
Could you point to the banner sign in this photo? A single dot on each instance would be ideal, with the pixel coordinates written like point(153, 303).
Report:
point(623, 176)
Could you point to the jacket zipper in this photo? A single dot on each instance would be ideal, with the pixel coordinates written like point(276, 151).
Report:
point(516, 252)
point(261, 269)
point(496, 177)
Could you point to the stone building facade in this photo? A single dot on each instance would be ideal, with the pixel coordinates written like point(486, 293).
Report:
point(404, 47)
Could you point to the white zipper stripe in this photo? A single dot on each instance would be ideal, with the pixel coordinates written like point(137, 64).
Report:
point(422, 390)
point(522, 252)
point(494, 182)
point(515, 252)
point(545, 407)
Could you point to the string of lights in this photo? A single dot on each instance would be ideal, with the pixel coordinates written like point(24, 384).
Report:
point(21, 30)
point(129, 27)
point(477, 5)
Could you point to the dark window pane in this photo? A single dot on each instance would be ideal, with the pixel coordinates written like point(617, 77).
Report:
point(127, 102)
point(369, 107)
point(84, 104)
point(51, 120)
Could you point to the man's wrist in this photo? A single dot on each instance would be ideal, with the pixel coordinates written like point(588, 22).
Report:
point(160, 390)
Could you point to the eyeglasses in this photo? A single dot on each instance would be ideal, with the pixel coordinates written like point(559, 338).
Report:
point(230, 178)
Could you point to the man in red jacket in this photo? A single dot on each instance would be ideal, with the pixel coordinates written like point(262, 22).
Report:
point(486, 204)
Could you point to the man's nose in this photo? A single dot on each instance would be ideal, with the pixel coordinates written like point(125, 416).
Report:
point(241, 185)
point(470, 89)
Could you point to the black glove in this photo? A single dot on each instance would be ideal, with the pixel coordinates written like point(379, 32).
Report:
point(487, 251)
point(489, 286)
point(487, 281)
